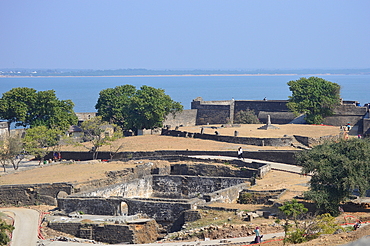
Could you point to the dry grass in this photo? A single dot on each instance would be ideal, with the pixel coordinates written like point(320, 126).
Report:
point(251, 130)
point(87, 171)
point(157, 142)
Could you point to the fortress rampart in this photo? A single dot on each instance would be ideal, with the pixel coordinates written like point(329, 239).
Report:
point(223, 112)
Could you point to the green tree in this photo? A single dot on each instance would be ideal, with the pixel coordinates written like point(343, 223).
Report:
point(15, 105)
point(113, 103)
point(338, 169)
point(315, 97)
point(149, 108)
point(136, 109)
point(246, 117)
point(40, 140)
point(5, 230)
point(292, 210)
point(28, 108)
point(11, 151)
point(51, 112)
point(95, 131)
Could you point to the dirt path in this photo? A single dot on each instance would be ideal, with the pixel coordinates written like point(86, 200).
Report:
point(26, 226)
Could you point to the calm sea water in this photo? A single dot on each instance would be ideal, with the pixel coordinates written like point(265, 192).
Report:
point(84, 91)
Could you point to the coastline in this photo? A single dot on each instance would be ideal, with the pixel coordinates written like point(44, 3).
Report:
point(178, 75)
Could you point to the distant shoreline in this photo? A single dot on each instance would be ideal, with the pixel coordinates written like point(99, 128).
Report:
point(177, 75)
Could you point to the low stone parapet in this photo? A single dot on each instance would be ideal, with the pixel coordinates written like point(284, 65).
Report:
point(279, 142)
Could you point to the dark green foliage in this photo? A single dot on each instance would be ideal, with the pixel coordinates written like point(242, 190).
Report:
point(296, 236)
point(337, 170)
point(39, 140)
point(112, 103)
point(99, 133)
point(27, 107)
point(246, 117)
point(135, 109)
point(5, 229)
point(315, 97)
point(291, 211)
point(246, 198)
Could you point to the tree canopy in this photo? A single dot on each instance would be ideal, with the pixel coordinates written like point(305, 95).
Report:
point(27, 107)
point(11, 150)
point(5, 230)
point(39, 140)
point(135, 109)
point(315, 97)
point(338, 169)
point(95, 132)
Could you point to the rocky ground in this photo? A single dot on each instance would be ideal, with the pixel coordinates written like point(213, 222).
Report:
point(295, 183)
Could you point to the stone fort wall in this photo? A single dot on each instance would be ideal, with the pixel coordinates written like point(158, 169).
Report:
point(32, 194)
point(223, 112)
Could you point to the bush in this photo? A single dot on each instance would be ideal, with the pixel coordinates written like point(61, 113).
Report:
point(246, 117)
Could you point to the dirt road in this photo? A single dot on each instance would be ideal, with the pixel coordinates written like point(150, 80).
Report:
point(26, 226)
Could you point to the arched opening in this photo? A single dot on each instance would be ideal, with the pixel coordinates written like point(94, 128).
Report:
point(62, 194)
point(124, 208)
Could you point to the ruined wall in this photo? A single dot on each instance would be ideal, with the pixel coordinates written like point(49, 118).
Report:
point(139, 187)
point(229, 195)
point(164, 211)
point(3, 129)
point(131, 176)
point(212, 112)
point(210, 170)
point(366, 128)
point(283, 156)
point(311, 142)
point(261, 105)
point(179, 186)
point(31, 194)
point(214, 115)
point(347, 113)
point(260, 197)
point(184, 118)
point(277, 109)
point(91, 205)
point(285, 141)
point(222, 112)
point(276, 117)
point(145, 232)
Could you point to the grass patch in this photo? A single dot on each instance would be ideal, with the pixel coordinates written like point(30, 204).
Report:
point(215, 217)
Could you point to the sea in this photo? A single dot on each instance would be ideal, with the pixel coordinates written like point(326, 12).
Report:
point(84, 91)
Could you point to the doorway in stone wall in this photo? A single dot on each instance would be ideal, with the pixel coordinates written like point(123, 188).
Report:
point(124, 208)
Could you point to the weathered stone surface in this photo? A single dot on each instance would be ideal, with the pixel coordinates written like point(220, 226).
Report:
point(136, 233)
point(31, 194)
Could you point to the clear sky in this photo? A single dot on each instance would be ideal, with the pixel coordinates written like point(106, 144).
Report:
point(184, 34)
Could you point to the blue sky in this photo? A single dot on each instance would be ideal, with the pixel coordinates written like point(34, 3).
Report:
point(179, 34)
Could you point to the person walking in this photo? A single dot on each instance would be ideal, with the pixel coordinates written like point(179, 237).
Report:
point(240, 153)
point(258, 237)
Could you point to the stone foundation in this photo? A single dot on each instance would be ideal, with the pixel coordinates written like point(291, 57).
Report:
point(134, 233)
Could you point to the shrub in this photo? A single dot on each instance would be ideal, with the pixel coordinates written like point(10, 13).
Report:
point(246, 117)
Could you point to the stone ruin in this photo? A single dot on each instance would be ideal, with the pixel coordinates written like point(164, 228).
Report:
point(157, 200)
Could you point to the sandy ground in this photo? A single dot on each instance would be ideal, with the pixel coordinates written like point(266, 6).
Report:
point(86, 171)
point(158, 142)
point(77, 172)
point(251, 130)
